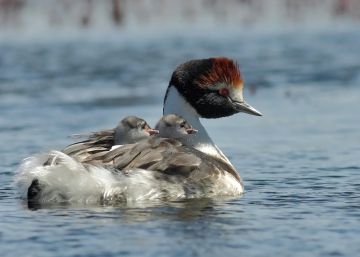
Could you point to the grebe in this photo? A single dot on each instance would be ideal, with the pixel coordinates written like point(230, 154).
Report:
point(165, 168)
point(129, 130)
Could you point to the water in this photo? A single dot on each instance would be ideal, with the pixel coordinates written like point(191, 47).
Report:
point(300, 162)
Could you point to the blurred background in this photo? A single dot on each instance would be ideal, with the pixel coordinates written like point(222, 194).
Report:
point(73, 66)
point(31, 16)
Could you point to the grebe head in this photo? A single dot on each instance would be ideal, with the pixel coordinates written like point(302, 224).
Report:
point(132, 129)
point(173, 126)
point(213, 87)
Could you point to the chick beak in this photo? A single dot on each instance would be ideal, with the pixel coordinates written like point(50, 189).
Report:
point(191, 131)
point(152, 131)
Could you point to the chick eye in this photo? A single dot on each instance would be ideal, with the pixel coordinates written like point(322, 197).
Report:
point(142, 125)
point(224, 91)
point(182, 124)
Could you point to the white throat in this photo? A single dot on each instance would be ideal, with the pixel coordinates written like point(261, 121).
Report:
point(176, 104)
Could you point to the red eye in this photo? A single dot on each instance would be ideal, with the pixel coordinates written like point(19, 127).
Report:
point(224, 91)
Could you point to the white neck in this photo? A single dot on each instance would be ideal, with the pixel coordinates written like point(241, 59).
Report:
point(176, 104)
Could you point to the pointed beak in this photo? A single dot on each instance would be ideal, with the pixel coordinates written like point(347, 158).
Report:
point(191, 131)
point(246, 108)
point(152, 131)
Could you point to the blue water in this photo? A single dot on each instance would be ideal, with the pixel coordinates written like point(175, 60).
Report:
point(299, 162)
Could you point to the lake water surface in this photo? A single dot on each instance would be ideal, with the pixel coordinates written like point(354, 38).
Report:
point(300, 162)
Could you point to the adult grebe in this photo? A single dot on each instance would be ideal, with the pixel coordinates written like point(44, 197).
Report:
point(159, 168)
